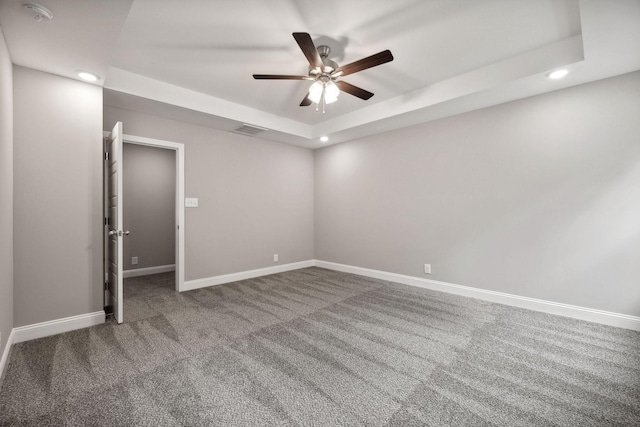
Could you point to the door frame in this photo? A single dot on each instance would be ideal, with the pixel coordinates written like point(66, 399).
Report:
point(179, 205)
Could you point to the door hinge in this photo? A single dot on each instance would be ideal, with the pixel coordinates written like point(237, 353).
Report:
point(106, 156)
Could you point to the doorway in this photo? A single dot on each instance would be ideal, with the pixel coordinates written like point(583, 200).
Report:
point(178, 150)
point(148, 196)
point(114, 258)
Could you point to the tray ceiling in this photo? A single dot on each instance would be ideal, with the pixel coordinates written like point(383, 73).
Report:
point(194, 60)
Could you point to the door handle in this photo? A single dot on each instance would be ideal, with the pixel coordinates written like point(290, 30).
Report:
point(119, 233)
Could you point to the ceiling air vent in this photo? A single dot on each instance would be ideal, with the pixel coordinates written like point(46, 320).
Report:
point(249, 130)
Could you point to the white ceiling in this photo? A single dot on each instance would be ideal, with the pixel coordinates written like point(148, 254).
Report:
point(193, 60)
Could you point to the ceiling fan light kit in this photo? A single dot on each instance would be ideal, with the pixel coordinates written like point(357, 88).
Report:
point(325, 73)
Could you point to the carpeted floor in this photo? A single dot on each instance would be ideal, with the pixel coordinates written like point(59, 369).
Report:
point(314, 347)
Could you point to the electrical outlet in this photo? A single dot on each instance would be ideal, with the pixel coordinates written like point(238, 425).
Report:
point(134, 260)
point(275, 257)
point(427, 268)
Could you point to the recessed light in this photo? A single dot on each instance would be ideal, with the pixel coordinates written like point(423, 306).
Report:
point(558, 74)
point(324, 138)
point(86, 76)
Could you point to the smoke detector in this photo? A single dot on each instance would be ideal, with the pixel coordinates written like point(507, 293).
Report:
point(38, 12)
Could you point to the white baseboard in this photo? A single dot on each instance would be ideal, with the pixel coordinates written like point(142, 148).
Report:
point(5, 353)
point(573, 311)
point(58, 326)
point(148, 270)
point(243, 275)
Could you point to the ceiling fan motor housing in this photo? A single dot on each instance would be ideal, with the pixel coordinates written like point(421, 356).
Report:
point(329, 65)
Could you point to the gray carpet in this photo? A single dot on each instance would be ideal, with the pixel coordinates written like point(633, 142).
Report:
point(314, 347)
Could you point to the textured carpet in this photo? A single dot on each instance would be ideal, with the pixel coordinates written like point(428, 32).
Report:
point(314, 347)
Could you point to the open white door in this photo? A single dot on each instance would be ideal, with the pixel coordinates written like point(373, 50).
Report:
point(113, 229)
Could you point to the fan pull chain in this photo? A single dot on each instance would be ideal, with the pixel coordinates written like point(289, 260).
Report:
point(321, 101)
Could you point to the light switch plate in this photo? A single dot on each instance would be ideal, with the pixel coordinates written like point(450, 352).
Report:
point(191, 202)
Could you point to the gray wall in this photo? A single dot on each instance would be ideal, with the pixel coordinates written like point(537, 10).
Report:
point(6, 194)
point(149, 198)
point(255, 196)
point(538, 198)
point(57, 197)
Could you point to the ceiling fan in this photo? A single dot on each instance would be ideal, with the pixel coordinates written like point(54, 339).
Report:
point(325, 73)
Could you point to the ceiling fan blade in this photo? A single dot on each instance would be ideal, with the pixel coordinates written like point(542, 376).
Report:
point(278, 77)
point(309, 49)
point(368, 62)
point(353, 90)
point(306, 101)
